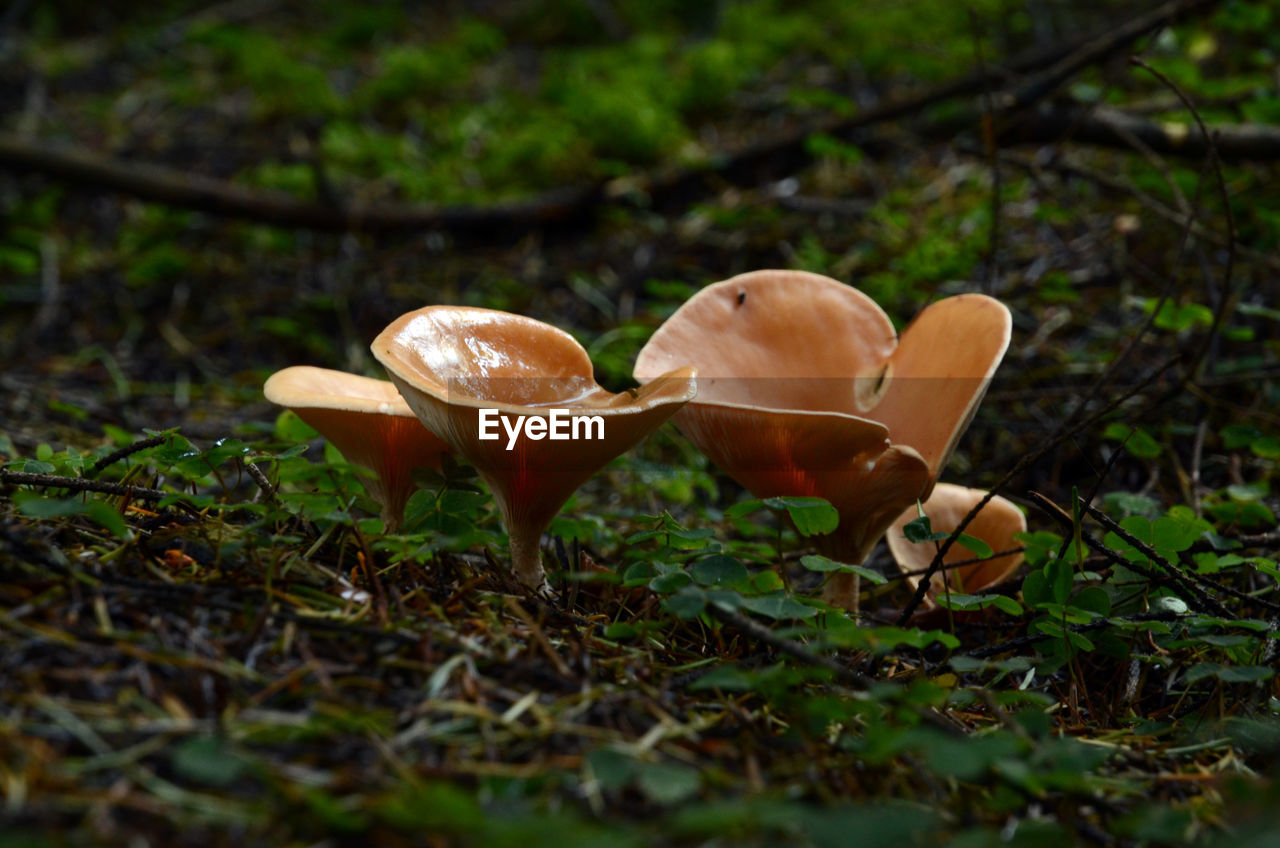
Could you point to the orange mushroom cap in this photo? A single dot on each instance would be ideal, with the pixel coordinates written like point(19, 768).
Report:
point(452, 362)
point(805, 389)
point(369, 422)
point(995, 525)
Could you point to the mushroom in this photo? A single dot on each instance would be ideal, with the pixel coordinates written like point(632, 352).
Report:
point(995, 525)
point(805, 389)
point(369, 422)
point(470, 374)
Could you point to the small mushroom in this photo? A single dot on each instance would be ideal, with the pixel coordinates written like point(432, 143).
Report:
point(369, 422)
point(805, 389)
point(995, 525)
point(455, 365)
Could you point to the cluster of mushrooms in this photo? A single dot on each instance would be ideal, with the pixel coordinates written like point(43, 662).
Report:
point(792, 383)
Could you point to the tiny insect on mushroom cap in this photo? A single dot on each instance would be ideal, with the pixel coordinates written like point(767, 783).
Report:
point(368, 422)
point(995, 524)
point(805, 389)
point(453, 363)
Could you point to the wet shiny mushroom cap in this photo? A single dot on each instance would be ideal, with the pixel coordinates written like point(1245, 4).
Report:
point(453, 362)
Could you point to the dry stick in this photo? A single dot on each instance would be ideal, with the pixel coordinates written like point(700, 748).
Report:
point(1165, 293)
point(80, 484)
point(1063, 433)
point(1062, 65)
point(1149, 552)
point(562, 205)
point(1073, 169)
point(1090, 53)
point(1226, 297)
point(126, 451)
point(265, 490)
point(192, 191)
point(539, 637)
point(1110, 127)
point(1093, 493)
point(1259, 540)
point(1025, 96)
point(1193, 597)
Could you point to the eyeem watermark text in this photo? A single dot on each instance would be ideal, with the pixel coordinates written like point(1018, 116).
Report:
point(558, 425)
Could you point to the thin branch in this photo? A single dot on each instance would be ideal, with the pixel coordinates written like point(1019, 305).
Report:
point(126, 451)
point(1149, 552)
point(1058, 437)
point(80, 484)
point(1226, 297)
point(665, 187)
point(203, 194)
point(1106, 126)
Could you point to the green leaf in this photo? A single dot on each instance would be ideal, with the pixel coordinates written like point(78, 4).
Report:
point(291, 428)
point(778, 606)
point(1007, 605)
point(977, 547)
point(1181, 316)
point(718, 570)
point(613, 769)
point(688, 603)
point(1178, 531)
point(732, 678)
point(1248, 492)
point(1268, 447)
point(1093, 599)
point(1137, 441)
point(812, 516)
point(1229, 674)
point(672, 581)
point(766, 582)
point(97, 511)
point(744, 508)
point(207, 760)
point(106, 517)
point(1060, 576)
point(1036, 589)
point(459, 502)
point(1040, 545)
point(1236, 436)
point(920, 530)
point(814, 562)
point(668, 783)
point(961, 602)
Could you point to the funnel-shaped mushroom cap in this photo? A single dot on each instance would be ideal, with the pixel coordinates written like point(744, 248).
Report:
point(803, 388)
point(453, 364)
point(939, 372)
point(368, 422)
point(996, 525)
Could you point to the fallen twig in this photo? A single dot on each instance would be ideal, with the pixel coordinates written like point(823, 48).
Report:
point(126, 451)
point(1058, 437)
point(662, 187)
point(81, 484)
point(1105, 126)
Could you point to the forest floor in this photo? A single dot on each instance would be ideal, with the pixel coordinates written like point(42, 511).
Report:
point(207, 635)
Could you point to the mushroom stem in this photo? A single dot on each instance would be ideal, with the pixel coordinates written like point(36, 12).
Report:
point(842, 590)
point(526, 555)
point(392, 514)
